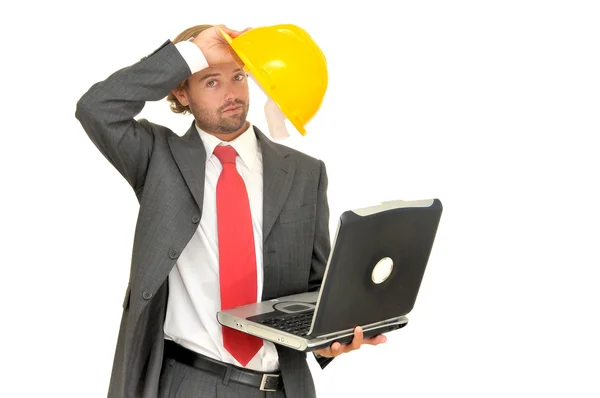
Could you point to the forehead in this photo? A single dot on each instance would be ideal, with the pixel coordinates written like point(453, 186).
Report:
point(222, 69)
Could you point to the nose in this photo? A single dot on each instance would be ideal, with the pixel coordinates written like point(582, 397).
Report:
point(230, 93)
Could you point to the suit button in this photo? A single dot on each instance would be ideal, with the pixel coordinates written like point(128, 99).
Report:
point(173, 254)
point(146, 295)
point(195, 219)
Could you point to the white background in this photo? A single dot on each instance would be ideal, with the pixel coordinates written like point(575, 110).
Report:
point(492, 107)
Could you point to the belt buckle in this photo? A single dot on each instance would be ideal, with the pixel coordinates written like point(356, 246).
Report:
point(264, 381)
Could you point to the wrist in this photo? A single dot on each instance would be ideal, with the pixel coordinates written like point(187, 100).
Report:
point(193, 55)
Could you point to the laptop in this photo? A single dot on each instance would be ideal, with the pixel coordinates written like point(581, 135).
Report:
point(372, 278)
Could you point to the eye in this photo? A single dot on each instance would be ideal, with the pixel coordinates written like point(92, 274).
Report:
point(211, 83)
point(239, 77)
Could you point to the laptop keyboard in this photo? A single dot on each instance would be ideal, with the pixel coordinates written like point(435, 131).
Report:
point(298, 324)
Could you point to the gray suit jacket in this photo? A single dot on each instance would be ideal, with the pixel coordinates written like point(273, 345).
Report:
point(166, 173)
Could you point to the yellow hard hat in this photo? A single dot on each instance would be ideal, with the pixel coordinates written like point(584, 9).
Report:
point(288, 65)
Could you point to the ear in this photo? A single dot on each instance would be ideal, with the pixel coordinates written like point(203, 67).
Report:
point(181, 94)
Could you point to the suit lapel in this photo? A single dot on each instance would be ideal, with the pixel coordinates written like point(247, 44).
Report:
point(190, 155)
point(278, 175)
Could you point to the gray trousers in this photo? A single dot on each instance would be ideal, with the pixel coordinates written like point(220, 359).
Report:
point(181, 381)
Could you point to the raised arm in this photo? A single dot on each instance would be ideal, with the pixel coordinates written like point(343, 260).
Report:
point(108, 109)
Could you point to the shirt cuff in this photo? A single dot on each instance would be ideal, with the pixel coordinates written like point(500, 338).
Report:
point(192, 55)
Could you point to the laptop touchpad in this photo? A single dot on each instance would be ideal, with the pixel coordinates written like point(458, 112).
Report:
point(292, 307)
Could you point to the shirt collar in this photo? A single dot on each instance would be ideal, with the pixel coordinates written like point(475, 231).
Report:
point(246, 145)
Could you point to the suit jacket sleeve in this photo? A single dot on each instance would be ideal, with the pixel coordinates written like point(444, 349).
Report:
point(107, 110)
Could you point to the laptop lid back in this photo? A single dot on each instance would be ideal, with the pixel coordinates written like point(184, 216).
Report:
point(376, 265)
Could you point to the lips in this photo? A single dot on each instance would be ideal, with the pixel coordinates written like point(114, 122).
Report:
point(231, 108)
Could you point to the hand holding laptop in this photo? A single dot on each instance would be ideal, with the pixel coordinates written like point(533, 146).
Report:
point(337, 349)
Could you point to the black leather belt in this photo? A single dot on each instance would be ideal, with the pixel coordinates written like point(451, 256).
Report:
point(262, 381)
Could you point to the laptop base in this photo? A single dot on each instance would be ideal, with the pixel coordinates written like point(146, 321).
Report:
point(250, 318)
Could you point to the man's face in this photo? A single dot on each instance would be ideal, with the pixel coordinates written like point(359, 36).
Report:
point(218, 97)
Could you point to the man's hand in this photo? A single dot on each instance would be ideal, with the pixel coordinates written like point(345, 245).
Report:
point(337, 349)
point(215, 48)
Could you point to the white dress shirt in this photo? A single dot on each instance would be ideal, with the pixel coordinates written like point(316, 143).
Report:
point(194, 294)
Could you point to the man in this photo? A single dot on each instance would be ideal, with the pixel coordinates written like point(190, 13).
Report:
point(221, 202)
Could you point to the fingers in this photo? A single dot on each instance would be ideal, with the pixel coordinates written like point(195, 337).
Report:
point(357, 340)
point(332, 351)
point(337, 349)
point(379, 339)
point(216, 48)
point(232, 32)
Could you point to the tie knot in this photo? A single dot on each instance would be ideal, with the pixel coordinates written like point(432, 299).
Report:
point(225, 154)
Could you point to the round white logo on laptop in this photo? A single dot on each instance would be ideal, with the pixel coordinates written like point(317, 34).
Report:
point(382, 270)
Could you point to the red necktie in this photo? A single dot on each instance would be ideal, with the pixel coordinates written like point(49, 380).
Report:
point(237, 257)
